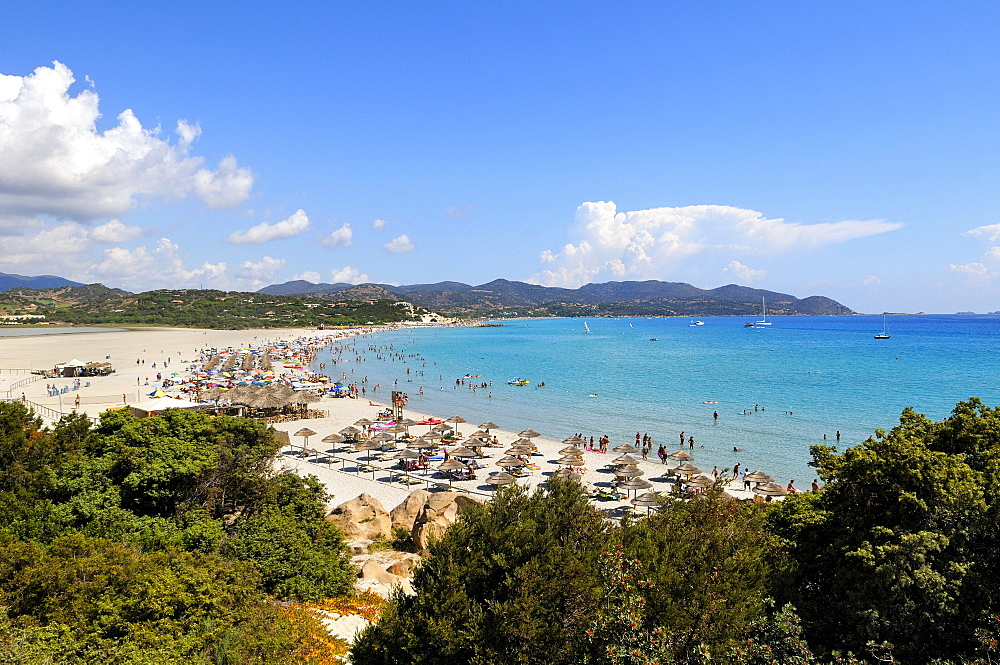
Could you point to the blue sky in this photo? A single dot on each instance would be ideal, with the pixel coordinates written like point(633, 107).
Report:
point(844, 149)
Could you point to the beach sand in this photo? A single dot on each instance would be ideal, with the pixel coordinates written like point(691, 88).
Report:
point(342, 474)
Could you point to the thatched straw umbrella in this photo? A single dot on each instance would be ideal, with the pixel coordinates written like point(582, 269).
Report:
point(686, 469)
point(635, 484)
point(770, 489)
point(700, 482)
point(758, 477)
point(499, 479)
point(628, 472)
point(646, 500)
point(625, 460)
point(333, 438)
point(510, 462)
point(305, 432)
point(406, 454)
point(529, 433)
point(625, 448)
point(572, 450)
point(680, 456)
point(488, 426)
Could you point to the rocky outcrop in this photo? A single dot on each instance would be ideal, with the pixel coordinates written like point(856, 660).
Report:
point(405, 514)
point(438, 513)
point(362, 517)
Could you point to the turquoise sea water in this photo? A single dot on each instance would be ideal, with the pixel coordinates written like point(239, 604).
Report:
point(809, 376)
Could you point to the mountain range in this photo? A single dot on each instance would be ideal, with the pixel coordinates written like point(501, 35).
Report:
point(651, 297)
point(11, 281)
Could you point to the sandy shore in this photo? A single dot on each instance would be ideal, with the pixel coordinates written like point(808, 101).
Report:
point(342, 471)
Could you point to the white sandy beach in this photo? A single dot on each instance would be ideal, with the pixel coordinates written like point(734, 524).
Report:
point(341, 474)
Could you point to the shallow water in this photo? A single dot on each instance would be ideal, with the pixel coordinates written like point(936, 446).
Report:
point(808, 376)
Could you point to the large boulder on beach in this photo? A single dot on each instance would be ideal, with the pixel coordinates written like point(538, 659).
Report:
point(439, 512)
point(405, 514)
point(362, 517)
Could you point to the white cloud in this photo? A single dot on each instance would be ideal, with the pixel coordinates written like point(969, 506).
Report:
point(348, 275)
point(56, 163)
point(400, 245)
point(379, 224)
point(115, 231)
point(342, 237)
point(991, 232)
point(744, 273)
point(142, 268)
point(649, 244)
point(308, 276)
point(459, 212)
point(260, 273)
point(226, 187)
point(974, 269)
point(872, 280)
point(264, 232)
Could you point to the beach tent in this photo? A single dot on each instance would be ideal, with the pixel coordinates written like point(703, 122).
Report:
point(72, 367)
point(151, 407)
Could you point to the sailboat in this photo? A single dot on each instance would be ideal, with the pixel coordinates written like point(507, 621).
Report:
point(763, 321)
point(586, 328)
point(885, 330)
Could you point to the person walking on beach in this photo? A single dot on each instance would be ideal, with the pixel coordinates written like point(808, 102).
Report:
point(645, 450)
point(715, 472)
point(661, 452)
point(736, 470)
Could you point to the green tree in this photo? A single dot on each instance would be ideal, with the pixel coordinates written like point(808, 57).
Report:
point(513, 581)
point(889, 551)
point(708, 563)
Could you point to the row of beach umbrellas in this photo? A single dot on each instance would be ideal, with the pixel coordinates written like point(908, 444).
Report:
point(625, 468)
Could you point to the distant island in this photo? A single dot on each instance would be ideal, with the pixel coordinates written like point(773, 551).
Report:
point(304, 304)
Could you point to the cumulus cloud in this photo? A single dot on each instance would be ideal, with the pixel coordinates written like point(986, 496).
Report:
point(264, 232)
point(57, 163)
point(744, 273)
point(379, 224)
point(648, 244)
point(459, 212)
point(348, 275)
point(114, 231)
point(259, 273)
point(872, 280)
point(400, 245)
point(308, 276)
point(162, 266)
point(342, 237)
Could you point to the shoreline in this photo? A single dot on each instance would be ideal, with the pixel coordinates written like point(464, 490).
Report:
point(133, 357)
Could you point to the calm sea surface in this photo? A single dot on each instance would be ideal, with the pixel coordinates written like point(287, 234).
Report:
point(808, 376)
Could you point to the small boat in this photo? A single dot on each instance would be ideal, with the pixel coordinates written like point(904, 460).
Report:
point(586, 328)
point(653, 339)
point(763, 321)
point(696, 323)
point(885, 330)
point(518, 382)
